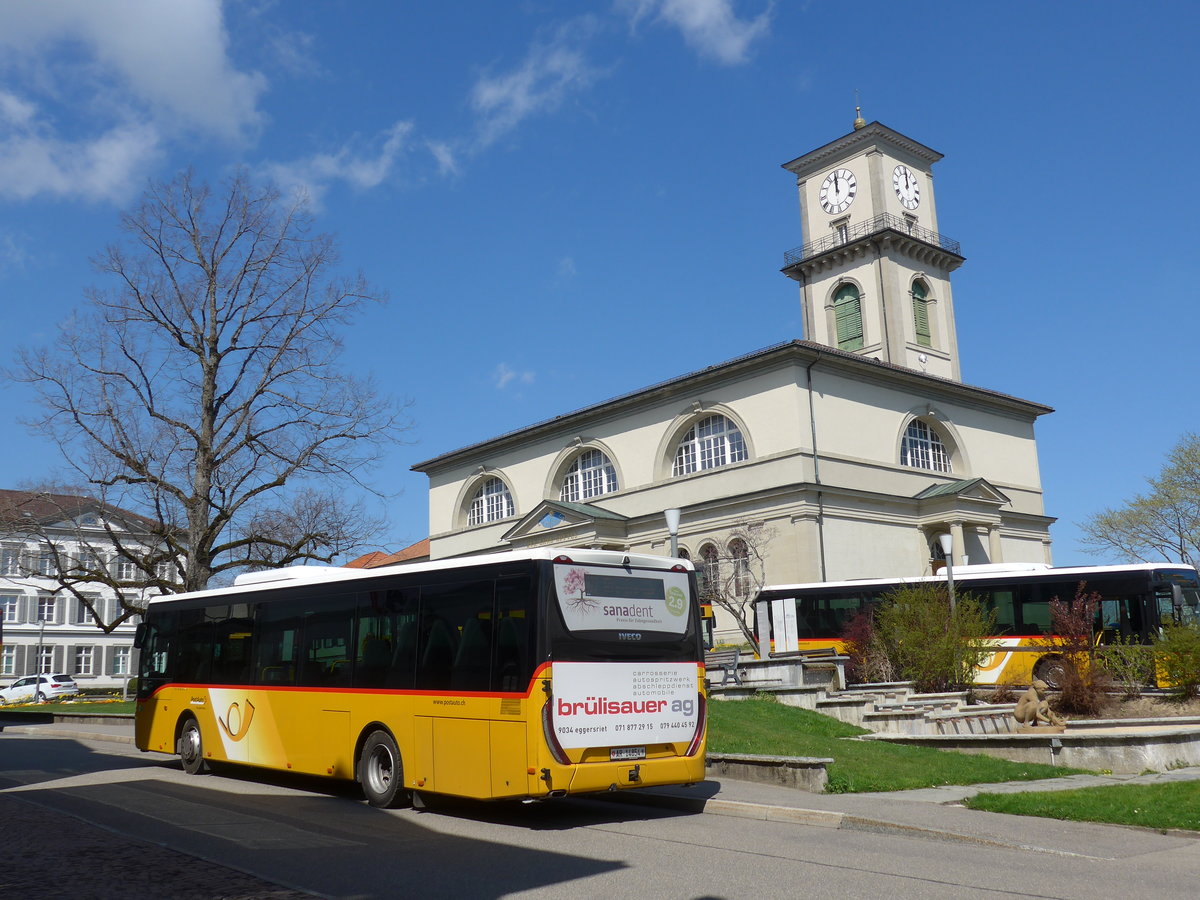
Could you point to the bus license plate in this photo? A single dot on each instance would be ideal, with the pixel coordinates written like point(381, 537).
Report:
point(617, 753)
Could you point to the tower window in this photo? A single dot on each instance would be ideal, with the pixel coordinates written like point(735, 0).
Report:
point(591, 475)
point(491, 503)
point(923, 449)
point(920, 308)
point(847, 315)
point(709, 444)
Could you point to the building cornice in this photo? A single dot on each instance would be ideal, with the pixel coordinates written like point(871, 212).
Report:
point(848, 145)
point(797, 352)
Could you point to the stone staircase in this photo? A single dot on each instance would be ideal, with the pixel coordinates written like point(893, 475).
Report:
point(888, 708)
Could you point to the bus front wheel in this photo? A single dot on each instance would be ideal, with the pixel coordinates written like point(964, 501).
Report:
point(190, 747)
point(1053, 670)
point(382, 772)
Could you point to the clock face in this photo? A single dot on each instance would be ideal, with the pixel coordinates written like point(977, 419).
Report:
point(907, 189)
point(838, 190)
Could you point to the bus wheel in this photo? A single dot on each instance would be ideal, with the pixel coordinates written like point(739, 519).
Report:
point(381, 772)
point(1053, 670)
point(190, 747)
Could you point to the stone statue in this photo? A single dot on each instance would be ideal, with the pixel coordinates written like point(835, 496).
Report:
point(1033, 709)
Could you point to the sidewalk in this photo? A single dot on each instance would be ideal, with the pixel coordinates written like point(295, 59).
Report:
point(930, 812)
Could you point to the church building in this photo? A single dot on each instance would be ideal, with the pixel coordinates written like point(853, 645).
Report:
point(844, 455)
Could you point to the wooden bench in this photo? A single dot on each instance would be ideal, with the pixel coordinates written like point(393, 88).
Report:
point(726, 660)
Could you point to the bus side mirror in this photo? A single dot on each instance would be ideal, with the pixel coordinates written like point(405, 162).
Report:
point(139, 635)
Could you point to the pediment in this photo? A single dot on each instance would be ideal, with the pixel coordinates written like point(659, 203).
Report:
point(978, 490)
point(558, 517)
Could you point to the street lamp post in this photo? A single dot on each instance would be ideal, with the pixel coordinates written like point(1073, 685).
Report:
point(672, 517)
point(37, 660)
point(947, 543)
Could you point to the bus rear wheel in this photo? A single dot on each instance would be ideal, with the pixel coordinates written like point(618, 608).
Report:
point(382, 772)
point(190, 747)
point(1053, 670)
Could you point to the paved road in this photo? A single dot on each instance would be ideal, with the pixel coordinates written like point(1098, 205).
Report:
point(138, 827)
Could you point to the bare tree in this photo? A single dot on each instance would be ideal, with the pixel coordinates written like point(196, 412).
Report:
point(1162, 524)
point(202, 388)
point(731, 576)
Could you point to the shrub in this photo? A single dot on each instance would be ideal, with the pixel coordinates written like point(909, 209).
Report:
point(1178, 656)
point(930, 641)
point(1130, 664)
point(867, 662)
point(1084, 682)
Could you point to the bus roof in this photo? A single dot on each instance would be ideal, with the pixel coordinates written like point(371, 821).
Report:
point(967, 574)
point(295, 576)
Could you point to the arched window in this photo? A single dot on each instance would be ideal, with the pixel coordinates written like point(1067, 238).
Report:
point(491, 502)
point(709, 570)
point(591, 475)
point(923, 449)
point(920, 309)
point(847, 317)
point(739, 555)
point(710, 443)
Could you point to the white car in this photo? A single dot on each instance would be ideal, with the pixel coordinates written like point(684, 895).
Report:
point(36, 688)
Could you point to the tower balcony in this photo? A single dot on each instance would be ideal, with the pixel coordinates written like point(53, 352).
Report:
point(899, 229)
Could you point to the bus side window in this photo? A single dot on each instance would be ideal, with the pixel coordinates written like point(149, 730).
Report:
point(1035, 613)
point(193, 662)
point(327, 644)
point(278, 627)
point(455, 643)
point(1001, 603)
point(514, 610)
point(231, 652)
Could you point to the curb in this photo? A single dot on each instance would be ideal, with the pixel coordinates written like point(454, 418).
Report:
point(62, 733)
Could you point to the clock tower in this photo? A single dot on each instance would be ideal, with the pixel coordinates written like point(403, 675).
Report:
point(874, 274)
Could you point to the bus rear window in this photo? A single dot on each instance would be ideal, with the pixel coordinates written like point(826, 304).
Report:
point(594, 599)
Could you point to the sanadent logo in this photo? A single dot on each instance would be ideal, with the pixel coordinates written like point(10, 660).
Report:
point(676, 601)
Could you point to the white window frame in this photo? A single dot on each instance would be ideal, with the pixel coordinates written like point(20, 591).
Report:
point(47, 603)
point(592, 474)
point(922, 448)
point(11, 560)
point(121, 658)
point(491, 503)
point(8, 661)
point(85, 660)
point(711, 442)
point(11, 604)
point(44, 659)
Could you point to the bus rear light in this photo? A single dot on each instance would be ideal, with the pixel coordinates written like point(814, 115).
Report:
point(564, 559)
point(556, 750)
point(698, 737)
point(678, 567)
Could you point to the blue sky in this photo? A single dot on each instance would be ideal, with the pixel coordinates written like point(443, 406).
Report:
point(569, 201)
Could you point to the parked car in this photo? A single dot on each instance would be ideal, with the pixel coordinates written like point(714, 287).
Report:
point(36, 688)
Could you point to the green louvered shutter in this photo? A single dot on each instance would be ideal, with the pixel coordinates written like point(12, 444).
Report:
point(847, 313)
point(921, 314)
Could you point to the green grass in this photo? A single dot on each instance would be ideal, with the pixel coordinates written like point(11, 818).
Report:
point(769, 728)
point(81, 707)
point(1171, 805)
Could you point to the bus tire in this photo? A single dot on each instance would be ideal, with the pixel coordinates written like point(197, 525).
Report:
point(1053, 670)
point(190, 747)
point(381, 772)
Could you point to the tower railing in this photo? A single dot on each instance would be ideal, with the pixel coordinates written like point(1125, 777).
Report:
point(884, 222)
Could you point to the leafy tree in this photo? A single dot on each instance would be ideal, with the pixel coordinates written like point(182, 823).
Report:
point(1161, 524)
point(202, 387)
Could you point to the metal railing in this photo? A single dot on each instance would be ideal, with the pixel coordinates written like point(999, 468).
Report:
point(884, 222)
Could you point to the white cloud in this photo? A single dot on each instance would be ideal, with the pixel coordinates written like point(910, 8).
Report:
point(710, 27)
point(566, 267)
point(94, 91)
point(551, 71)
point(105, 167)
point(361, 167)
point(506, 375)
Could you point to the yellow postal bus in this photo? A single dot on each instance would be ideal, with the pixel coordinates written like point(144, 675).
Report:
point(515, 675)
point(1136, 602)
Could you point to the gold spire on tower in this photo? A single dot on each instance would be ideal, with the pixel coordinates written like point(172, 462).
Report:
point(859, 121)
